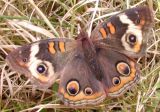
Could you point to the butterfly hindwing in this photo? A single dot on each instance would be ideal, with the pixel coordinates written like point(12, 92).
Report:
point(120, 72)
point(78, 84)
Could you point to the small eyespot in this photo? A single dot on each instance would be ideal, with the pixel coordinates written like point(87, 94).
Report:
point(131, 39)
point(41, 68)
point(116, 81)
point(123, 68)
point(24, 60)
point(88, 91)
point(138, 21)
point(73, 88)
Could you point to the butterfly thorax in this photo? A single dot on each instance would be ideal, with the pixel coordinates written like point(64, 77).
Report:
point(90, 54)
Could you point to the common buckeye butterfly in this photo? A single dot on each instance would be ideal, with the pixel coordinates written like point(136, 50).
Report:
point(89, 68)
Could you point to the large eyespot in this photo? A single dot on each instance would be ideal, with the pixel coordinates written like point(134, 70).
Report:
point(116, 81)
point(88, 91)
point(132, 39)
point(41, 68)
point(73, 88)
point(123, 68)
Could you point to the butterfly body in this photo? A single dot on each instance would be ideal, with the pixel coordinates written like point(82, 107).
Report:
point(89, 68)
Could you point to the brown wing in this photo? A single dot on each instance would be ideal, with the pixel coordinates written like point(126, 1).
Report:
point(78, 84)
point(119, 72)
point(126, 31)
point(41, 61)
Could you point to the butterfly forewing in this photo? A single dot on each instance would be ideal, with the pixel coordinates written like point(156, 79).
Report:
point(126, 31)
point(41, 61)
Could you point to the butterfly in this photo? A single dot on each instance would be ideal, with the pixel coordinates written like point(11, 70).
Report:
point(89, 68)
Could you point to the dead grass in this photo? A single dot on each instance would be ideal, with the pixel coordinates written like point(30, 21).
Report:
point(25, 21)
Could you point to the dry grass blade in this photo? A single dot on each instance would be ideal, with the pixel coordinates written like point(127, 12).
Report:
point(31, 27)
point(43, 16)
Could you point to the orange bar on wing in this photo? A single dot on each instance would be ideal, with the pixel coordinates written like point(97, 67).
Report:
point(42, 78)
point(51, 48)
point(137, 47)
point(61, 46)
point(111, 28)
point(103, 32)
